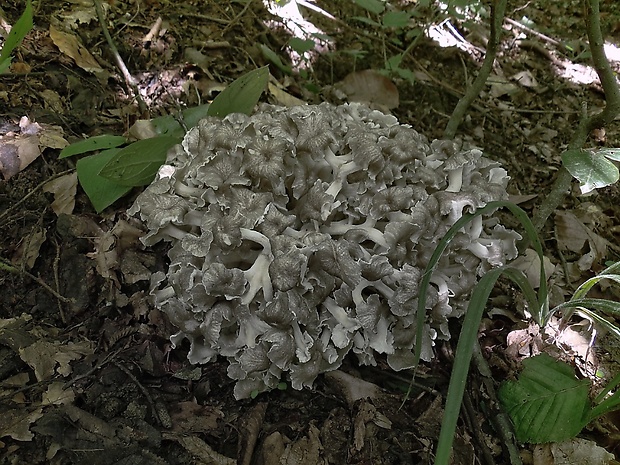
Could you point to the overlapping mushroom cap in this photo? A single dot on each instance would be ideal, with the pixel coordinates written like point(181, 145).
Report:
point(300, 235)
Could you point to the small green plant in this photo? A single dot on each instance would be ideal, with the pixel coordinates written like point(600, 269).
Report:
point(592, 168)
point(530, 425)
point(15, 37)
point(119, 166)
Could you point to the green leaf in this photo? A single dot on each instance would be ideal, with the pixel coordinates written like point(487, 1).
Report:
point(101, 192)
point(91, 144)
point(592, 170)
point(168, 125)
point(17, 34)
point(275, 59)
point(547, 403)
point(241, 95)
point(301, 46)
point(137, 164)
point(397, 19)
point(374, 6)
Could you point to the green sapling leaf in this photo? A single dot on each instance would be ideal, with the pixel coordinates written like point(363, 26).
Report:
point(396, 19)
point(592, 170)
point(91, 144)
point(241, 95)
point(138, 163)
point(374, 6)
point(301, 46)
point(547, 403)
point(101, 192)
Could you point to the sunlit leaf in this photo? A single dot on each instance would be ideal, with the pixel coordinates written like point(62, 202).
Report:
point(611, 153)
point(91, 144)
point(241, 95)
point(547, 403)
point(137, 164)
point(592, 170)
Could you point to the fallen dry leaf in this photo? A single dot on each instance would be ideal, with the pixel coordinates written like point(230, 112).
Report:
point(64, 189)
point(371, 88)
point(17, 153)
point(56, 394)
point(72, 46)
point(573, 236)
point(16, 423)
point(45, 357)
point(28, 248)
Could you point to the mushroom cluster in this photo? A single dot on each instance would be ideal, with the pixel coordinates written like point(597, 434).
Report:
point(300, 235)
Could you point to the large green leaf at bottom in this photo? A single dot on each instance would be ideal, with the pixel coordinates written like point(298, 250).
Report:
point(101, 191)
point(547, 403)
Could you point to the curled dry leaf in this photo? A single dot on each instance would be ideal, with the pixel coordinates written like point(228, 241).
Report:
point(573, 235)
point(371, 88)
point(19, 149)
point(64, 189)
point(70, 45)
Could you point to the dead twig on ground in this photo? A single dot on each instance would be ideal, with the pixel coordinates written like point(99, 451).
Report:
point(16, 271)
point(129, 80)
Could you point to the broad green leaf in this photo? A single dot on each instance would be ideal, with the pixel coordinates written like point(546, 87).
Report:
point(101, 192)
point(18, 32)
point(397, 19)
point(241, 95)
point(301, 46)
point(374, 6)
point(91, 144)
point(275, 59)
point(547, 403)
point(592, 170)
point(168, 125)
point(138, 163)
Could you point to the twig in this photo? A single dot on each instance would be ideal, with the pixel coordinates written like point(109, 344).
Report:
point(30, 194)
point(562, 183)
point(497, 15)
point(144, 391)
point(534, 33)
point(129, 80)
point(236, 18)
point(16, 271)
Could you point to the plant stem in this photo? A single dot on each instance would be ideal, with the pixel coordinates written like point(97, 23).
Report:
point(498, 8)
point(562, 182)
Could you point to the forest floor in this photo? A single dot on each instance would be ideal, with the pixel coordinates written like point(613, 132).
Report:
point(87, 372)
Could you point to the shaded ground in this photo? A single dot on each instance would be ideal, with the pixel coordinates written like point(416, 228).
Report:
point(94, 379)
